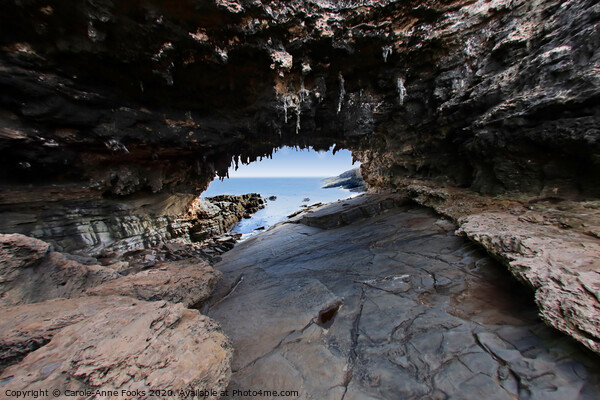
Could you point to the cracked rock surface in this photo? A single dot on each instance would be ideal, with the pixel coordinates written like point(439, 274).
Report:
point(551, 245)
point(389, 305)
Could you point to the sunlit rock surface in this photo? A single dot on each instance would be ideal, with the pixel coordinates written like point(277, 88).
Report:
point(215, 216)
point(72, 326)
point(189, 282)
point(30, 272)
point(111, 343)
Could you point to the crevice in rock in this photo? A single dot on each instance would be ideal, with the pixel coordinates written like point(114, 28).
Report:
point(207, 307)
point(377, 288)
point(19, 353)
point(352, 354)
point(405, 324)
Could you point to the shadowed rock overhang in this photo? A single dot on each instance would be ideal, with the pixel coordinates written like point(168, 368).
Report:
point(133, 107)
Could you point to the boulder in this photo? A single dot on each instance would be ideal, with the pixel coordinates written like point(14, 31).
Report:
point(331, 216)
point(188, 281)
point(30, 272)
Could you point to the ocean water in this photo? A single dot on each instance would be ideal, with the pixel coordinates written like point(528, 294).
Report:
point(291, 196)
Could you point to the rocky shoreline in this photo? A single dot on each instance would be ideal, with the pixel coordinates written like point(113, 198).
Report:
point(351, 180)
point(108, 230)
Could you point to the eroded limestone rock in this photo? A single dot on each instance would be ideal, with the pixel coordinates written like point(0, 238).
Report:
point(562, 267)
point(113, 343)
point(214, 216)
point(25, 328)
point(104, 341)
point(549, 244)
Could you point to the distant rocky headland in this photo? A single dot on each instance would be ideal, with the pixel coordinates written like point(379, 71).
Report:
point(351, 180)
point(469, 269)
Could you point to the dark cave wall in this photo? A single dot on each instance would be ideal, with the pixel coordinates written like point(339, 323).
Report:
point(511, 103)
point(106, 104)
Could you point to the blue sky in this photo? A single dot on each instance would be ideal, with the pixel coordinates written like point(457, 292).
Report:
point(289, 162)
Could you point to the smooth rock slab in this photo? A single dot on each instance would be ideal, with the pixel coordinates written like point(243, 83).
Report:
point(423, 314)
point(127, 344)
point(190, 282)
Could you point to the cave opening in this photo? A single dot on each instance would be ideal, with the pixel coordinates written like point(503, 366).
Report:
point(290, 181)
point(473, 120)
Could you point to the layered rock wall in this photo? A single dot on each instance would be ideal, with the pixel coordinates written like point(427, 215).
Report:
point(112, 227)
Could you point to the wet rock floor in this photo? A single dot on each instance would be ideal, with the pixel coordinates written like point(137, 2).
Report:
point(394, 306)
